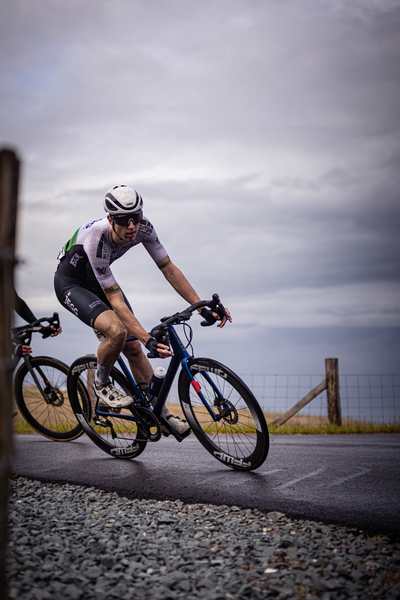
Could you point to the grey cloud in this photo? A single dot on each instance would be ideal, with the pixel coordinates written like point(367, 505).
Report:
point(262, 136)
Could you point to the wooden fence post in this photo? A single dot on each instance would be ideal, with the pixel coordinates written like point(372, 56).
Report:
point(9, 173)
point(332, 390)
point(310, 396)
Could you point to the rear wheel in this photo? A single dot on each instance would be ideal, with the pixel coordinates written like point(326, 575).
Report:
point(47, 410)
point(234, 429)
point(109, 430)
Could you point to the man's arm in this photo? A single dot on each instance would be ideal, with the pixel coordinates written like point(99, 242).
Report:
point(22, 309)
point(127, 317)
point(132, 324)
point(181, 285)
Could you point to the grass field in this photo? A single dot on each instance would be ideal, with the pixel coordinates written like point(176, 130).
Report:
point(299, 424)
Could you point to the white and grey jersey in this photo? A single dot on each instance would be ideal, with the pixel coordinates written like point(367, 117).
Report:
point(90, 252)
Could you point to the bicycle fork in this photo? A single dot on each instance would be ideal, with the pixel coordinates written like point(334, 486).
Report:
point(219, 399)
point(36, 380)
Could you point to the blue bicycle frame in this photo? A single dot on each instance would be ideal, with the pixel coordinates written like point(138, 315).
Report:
point(180, 358)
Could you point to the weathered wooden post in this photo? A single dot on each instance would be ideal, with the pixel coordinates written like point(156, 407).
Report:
point(332, 390)
point(9, 173)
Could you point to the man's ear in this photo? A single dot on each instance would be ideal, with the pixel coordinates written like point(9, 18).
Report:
point(109, 218)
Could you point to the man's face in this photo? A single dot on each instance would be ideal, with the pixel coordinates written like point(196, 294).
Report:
point(127, 234)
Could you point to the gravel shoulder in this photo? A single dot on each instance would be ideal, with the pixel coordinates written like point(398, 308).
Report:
point(71, 541)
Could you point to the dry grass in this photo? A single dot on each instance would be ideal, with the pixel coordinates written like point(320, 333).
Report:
point(59, 418)
point(299, 424)
point(305, 424)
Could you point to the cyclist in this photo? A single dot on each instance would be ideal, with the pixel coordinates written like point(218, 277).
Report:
point(86, 286)
point(23, 311)
point(18, 348)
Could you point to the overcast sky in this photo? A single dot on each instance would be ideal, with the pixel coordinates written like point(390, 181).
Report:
point(263, 136)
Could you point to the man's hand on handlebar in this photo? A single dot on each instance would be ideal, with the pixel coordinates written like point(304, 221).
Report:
point(21, 350)
point(210, 317)
point(52, 329)
point(56, 331)
point(224, 319)
point(157, 349)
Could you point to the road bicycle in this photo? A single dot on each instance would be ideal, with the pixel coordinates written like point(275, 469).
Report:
point(40, 386)
point(221, 410)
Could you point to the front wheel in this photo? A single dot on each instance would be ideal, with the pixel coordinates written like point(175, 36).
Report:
point(224, 414)
point(110, 429)
point(46, 408)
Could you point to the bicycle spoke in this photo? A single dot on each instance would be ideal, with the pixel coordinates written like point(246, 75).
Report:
point(239, 436)
point(53, 418)
point(112, 433)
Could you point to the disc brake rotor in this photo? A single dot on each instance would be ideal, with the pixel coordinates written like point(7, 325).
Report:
point(228, 412)
point(56, 398)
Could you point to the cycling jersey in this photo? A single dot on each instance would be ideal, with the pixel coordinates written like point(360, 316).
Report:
point(84, 280)
point(91, 250)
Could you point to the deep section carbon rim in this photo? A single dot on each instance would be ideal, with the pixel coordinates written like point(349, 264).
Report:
point(115, 435)
point(239, 438)
point(53, 417)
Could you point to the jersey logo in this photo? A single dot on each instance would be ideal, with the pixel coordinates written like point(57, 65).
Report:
point(88, 225)
point(101, 270)
point(113, 289)
point(102, 250)
point(94, 304)
point(74, 260)
point(70, 305)
point(146, 227)
point(99, 253)
point(61, 255)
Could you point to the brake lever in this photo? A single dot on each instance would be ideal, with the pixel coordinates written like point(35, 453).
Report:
point(53, 322)
point(222, 312)
point(216, 306)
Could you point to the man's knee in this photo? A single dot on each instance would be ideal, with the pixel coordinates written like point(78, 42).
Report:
point(111, 327)
point(119, 333)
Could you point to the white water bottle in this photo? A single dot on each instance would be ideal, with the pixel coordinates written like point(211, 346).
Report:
point(156, 380)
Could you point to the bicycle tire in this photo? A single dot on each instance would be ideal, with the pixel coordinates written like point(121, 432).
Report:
point(117, 437)
point(240, 440)
point(56, 419)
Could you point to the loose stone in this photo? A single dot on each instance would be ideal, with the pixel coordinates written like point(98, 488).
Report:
point(71, 542)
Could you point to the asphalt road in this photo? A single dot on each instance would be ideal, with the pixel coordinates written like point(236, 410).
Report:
point(344, 479)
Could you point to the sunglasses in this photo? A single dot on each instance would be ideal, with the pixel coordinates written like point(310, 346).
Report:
point(124, 220)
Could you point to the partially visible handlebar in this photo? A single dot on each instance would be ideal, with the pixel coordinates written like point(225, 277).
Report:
point(36, 326)
point(54, 324)
point(214, 304)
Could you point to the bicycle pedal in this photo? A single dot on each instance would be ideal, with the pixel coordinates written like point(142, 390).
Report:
point(100, 422)
point(185, 434)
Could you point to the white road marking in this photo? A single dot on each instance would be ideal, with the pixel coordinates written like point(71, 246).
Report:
point(242, 480)
point(298, 479)
point(344, 479)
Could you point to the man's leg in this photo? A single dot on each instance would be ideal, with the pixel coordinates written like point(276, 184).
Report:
point(115, 335)
point(107, 353)
point(139, 363)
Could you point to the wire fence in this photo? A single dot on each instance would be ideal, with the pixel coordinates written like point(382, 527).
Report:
point(365, 398)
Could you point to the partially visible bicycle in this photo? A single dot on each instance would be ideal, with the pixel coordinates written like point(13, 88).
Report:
point(221, 410)
point(40, 386)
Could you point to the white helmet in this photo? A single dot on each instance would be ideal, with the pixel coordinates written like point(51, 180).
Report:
point(121, 200)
